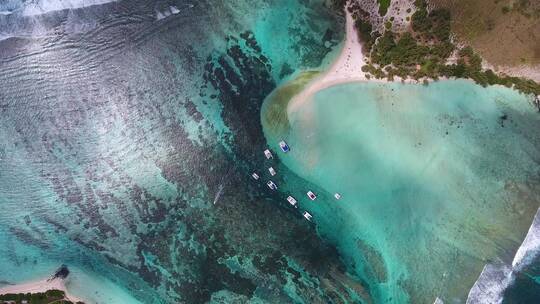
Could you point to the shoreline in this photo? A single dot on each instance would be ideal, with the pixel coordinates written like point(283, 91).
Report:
point(527, 71)
point(495, 278)
point(346, 68)
point(40, 286)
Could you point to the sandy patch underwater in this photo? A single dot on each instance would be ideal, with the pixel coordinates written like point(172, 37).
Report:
point(118, 127)
point(437, 180)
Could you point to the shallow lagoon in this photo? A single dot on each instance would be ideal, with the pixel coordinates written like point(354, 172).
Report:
point(119, 123)
point(436, 180)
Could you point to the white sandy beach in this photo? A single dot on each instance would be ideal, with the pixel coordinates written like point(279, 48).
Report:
point(346, 68)
point(39, 286)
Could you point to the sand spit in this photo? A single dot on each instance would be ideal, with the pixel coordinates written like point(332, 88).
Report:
point(40, 286)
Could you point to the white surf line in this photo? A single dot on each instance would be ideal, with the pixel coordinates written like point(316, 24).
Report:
point(491, 283)
point(530, 245)
point(494, 279)
point(173, 10)
point(45, 6)
point(438, 301)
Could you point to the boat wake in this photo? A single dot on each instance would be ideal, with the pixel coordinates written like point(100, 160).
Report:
point(497, 277)
point(218, 194)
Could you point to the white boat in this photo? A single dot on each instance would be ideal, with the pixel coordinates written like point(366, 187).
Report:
point(337, 196)
point(271, 185)
point(284, 147)
point(311, 195)
point(292, 201)
point(307, 216)
point(255, 176)
point(268, 154)
point(272, 171)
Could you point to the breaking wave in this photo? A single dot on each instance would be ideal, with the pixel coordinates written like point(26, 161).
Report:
point(173, 10)
point(39, 7)
point(7, 7)
point(530, 246)
point(37, 19)
point(497, 277)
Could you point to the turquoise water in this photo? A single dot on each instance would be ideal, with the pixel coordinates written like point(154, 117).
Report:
point(119, 123)
point(436, 181)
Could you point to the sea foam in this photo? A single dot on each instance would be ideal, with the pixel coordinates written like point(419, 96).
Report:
point(45, 6)
point(496, 278)
point(530, 246)
point(422, 163)
point(173, 10)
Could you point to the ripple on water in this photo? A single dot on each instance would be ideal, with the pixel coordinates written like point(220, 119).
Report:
point(117, 130)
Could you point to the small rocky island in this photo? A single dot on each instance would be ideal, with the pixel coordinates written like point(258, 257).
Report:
point(50, 295)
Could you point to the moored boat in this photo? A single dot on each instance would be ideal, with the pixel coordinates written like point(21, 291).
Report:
point(255, 176)
point(272, 171)
point(311, 195)
point(292, 201)
point(284, 146)
point(307, 215)
point(271, 185)
point(268, 154)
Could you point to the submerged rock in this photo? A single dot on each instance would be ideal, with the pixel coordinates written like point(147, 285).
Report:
point(61, 273)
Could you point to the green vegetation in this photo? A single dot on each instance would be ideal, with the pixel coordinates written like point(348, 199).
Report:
point(469, 65)
point(50, 296)
point(424, 52)
point(417, 54)
point(338, 5)
point(431, 25)
point(503, 32)
point(363, 27)
point(383, 6)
